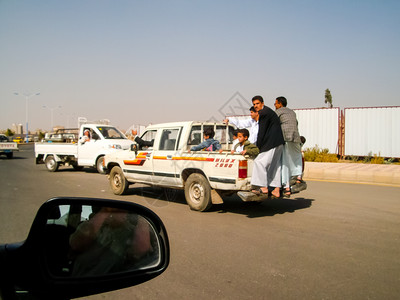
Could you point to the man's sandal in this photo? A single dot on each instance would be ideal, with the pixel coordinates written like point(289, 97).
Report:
point(258, 191)
point(286, 193)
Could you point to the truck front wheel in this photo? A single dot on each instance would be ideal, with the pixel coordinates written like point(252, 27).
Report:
point(51, 163)
point(118, 182)
point(99, 165)
point(198, 192)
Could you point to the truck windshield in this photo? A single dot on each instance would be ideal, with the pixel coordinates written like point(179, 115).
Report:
point(111, 133)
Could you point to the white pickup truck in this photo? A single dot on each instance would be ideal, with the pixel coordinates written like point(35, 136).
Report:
point(205, 176)
point(7, 148)
point(104, 139)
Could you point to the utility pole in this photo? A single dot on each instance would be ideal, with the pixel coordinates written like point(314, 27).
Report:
point(27, 97)
point(52, 114)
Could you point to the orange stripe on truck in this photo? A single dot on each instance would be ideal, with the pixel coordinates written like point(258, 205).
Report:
point(186, 158)
point(139, 161)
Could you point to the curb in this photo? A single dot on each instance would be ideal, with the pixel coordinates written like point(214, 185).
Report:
point(353, 173)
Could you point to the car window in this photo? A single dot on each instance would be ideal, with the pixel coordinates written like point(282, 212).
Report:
point(169, 138)
point(149, 136)
point(195, 136)
point(220, 134)
point(110, 133)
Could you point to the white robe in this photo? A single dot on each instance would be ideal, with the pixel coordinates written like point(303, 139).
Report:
point(247, 123)
point(267, 168)
point(292, 162)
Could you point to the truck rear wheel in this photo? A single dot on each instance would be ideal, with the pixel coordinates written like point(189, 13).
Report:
point(51, 163)
point(99, 165)
point(198, 192)
point(9, 155)
point(118, 182)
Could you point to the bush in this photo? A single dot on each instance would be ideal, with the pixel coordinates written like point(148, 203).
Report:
point(319, 155)
point(367, 159)
point(377, 160)
point(322, 155)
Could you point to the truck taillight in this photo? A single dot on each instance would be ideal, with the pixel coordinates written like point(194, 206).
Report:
point(242, 168)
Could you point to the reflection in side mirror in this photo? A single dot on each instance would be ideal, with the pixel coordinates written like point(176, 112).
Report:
point(83, 246)
point(86, 240)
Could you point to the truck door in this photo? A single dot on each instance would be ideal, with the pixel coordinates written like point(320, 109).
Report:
point(140, 167)
point(87, 149)
point(164, 158)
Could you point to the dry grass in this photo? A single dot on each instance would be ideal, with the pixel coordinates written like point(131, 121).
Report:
point(322, 155)
point(319, 155)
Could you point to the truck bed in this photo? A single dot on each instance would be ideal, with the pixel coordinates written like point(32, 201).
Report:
point(56, 148)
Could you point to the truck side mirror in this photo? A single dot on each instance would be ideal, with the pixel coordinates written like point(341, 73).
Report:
point(82, 246)
point(134, 147)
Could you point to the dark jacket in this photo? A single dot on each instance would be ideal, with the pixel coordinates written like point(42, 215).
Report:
point(269, 130)
point(143, 143)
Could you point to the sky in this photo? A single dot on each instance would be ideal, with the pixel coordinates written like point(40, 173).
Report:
point(141, 62)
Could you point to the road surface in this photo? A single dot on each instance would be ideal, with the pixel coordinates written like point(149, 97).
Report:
point(333, 241)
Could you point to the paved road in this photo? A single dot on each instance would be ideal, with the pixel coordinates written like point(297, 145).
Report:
point(334, 241)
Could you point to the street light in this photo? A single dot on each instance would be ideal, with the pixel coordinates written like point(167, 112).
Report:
point(27, 97)
point(69, 116)
point(52, 112)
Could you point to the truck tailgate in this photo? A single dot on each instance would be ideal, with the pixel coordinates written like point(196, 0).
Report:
point(8, 146)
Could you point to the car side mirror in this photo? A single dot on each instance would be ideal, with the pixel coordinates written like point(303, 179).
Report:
point(82, 246)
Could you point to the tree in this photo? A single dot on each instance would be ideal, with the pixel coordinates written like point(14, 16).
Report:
point(328, 98)
point(41, 135)
point(9, 132)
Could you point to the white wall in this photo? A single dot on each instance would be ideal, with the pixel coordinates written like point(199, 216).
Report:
point(320, 126)
point(370, 131)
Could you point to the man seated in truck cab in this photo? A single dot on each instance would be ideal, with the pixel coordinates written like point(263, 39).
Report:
point(85, 137)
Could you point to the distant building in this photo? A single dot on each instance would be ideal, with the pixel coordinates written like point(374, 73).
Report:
point(18, 128)
point(55, 128)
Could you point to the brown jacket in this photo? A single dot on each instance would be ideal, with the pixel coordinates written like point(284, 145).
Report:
point(251, 149)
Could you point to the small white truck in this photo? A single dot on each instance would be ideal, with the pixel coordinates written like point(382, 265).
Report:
point(7, 148)
point(205, 176)
point(103, 139)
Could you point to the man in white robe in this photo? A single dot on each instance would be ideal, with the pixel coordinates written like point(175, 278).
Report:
point(250, 123)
